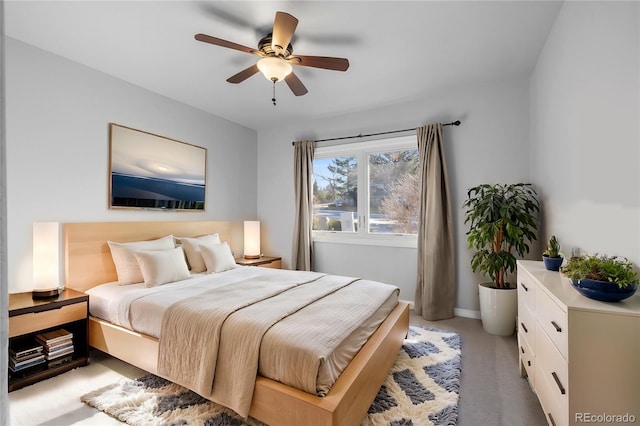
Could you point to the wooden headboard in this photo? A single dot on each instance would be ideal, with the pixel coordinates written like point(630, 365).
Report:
point(87, 255)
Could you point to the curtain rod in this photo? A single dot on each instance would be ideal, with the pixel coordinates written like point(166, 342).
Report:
point(453, 123)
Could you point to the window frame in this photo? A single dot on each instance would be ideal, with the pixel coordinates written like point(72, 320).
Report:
point(361, 150)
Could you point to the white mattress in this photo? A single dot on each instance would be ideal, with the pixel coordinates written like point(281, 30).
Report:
point(139, 308)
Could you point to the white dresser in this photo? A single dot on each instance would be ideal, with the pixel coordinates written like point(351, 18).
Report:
point(582, 356)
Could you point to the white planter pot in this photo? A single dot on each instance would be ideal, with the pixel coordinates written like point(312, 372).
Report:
point(498, 309)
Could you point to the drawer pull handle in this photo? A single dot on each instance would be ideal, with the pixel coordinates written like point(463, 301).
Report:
point(521, 349)
point(524, 286)
point(551, 419)
point(556, 326)
point(529, 363)
point(555, 377)
point(524, 327)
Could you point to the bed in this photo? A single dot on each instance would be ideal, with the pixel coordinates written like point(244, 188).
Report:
point(89, 264)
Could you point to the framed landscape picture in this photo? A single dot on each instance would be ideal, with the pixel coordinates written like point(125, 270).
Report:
point(153, 172)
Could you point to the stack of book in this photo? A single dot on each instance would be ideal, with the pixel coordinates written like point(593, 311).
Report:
point(25, 354)
point(58, 346)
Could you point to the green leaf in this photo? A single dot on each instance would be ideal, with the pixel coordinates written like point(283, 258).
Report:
point(490, 210)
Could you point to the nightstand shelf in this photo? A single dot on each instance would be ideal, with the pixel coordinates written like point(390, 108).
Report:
point(29, 317)
point(263, 261)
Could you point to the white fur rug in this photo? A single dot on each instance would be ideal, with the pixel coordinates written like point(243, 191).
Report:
point(421, 389)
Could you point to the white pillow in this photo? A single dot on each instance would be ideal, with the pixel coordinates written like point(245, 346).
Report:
point(217, 257)
point(127, 266)
point(191, 248)
point(162, 266)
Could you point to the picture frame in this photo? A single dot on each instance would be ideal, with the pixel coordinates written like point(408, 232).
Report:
point(148, 171)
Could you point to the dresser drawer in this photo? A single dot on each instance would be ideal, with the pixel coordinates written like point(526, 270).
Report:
point(555, 413)
point(553, 321)
point(527, 326)
point(32, 322)
point(526, 290)
point(527, 360)
point(552, 368)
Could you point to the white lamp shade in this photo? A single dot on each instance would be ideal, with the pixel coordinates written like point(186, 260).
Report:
point(46, 255)
point(251, 239)
point(274, 69)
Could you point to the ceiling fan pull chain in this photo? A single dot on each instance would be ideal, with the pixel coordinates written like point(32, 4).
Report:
point(273, 99)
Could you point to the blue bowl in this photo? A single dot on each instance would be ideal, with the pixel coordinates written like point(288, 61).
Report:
point(602, 290)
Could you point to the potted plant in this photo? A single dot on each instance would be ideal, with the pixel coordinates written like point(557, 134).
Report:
point(552, 257)
point(502, 220)
point(606, 278)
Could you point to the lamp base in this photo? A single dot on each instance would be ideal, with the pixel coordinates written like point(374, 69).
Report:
point(255, 256)
point(45, 293)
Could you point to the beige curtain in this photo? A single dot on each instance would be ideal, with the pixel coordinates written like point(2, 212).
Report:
point(302, 259)
point(436, 285)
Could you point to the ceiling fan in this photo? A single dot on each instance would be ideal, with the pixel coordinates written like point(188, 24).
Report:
point(276, 56)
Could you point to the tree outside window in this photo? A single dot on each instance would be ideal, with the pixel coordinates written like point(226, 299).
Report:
point(388, 180)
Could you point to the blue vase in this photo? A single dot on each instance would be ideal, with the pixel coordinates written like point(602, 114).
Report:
point(552, 263)
point(603, 290)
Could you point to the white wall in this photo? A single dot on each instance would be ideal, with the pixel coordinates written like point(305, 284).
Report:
point(585, 128)
point(57, 115)
point(490, 146)
point(4, 302)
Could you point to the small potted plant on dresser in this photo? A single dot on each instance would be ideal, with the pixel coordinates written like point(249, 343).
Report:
point(552, 257)
point(602, 277)
point(502, 219)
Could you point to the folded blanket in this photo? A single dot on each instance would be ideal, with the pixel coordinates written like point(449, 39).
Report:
point(211, 343)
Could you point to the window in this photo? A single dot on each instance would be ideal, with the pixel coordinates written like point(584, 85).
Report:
point(367, 192)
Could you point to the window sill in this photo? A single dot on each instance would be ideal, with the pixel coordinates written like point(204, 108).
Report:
point(386, 240)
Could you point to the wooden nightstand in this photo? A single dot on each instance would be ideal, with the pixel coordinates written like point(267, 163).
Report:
point(263, 261)
point(29, 317)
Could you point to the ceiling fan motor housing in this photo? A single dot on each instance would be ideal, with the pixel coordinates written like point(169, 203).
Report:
point(265, 47)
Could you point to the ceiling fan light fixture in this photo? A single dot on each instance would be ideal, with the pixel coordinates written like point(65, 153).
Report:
point(274, 69)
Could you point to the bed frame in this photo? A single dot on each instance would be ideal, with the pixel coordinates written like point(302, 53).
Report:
point(88, 263)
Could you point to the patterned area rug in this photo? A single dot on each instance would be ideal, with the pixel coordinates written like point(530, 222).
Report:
point(421, 389)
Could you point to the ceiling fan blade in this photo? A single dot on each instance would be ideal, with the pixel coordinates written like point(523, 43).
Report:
point(326, 62)
point(295, 85)
point(224, 43)
point(284, 26)
point(243, 75)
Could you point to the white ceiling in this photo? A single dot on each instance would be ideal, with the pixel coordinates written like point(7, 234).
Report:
point(398, 51)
